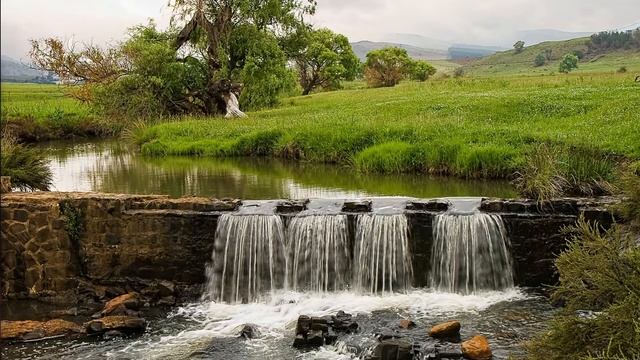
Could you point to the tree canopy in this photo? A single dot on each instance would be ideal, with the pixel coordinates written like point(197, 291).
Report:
point(213, 49)
point(387, 66)
point(568, 63)
point(324, 59)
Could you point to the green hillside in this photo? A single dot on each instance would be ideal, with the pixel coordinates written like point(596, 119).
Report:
point(510, 63)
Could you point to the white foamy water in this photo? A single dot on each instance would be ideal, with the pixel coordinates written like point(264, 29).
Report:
point(276, 318)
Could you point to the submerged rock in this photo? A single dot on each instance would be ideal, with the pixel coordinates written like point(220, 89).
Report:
point(449, 330)
point(37, 330)
point(249, 332)
point(407, 324)
point(477, 348)
point(393, 349)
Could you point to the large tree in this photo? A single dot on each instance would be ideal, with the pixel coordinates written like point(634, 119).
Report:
point(323, 59)
point(231, 31)
point(223, 46)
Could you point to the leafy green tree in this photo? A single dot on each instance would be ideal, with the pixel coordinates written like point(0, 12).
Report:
point(324, 60)
point(421, 70)
point(387, 66)
point(540, 60)
point(224, 46)
point(519, 46)
point(568, 63)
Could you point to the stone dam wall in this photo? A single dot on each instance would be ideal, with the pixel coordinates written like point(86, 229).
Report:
point(60, 247)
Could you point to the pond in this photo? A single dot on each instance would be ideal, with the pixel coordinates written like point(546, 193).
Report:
point(115, 167)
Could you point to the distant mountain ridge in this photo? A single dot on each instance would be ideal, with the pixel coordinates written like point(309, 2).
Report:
point(361, 48)
point(12, 70)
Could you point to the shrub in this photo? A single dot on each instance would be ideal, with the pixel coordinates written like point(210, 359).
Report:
point(391, 157)
point(519, 46)
point(599, 286)
point(622, 69)
point(386, 67)
point(568, 63)
point(26, 166)
point(421, 70)
point(540, 60)
point(458, 72)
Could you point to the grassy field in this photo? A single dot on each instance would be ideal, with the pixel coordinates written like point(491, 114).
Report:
point(509, 63)
point(470, 127)
point(36, 112)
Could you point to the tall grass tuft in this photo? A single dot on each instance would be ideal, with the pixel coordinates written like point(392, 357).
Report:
point(588, 172)
point(540, 177)
point(26, 166)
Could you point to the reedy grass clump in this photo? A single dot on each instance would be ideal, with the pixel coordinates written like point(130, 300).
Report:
point(26, 166)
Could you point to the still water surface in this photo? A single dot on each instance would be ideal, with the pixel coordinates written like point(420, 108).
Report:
point(114, 167)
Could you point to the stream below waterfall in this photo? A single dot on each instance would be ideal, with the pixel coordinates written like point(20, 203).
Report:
point(267, 271)
point(209, 330)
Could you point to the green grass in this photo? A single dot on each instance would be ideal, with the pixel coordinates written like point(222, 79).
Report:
point(470, 127)
point(510, 63)
point(35, 112)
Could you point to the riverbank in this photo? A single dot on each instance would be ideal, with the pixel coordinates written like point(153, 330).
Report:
point(482, 128)
point(41, 112)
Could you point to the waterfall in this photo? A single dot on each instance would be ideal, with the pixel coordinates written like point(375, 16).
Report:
point(319, 253)
point(248, 258)
point(470, 253)
point(382, 258)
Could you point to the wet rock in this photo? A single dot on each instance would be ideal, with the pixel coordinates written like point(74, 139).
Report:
point(407, 324)
point(127, 304)
point(343, 322)
point(318, 331)
point(442, 351)
point(357, 206)
point(429, 205)
point(393, 349)
point(292, 206)
point(449, 330)
point(249, 332)
point(124, 324)
point(36, 330)
point(477, 348)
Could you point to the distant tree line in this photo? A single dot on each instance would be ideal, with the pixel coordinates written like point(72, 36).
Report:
point(613, 40)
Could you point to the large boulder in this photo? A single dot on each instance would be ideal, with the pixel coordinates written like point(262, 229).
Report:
point(37, 330)
point(127, 304)
point(123, 324)
point(477, 348)
point(447, 330)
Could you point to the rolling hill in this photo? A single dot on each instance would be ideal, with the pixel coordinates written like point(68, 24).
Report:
point(510, 63)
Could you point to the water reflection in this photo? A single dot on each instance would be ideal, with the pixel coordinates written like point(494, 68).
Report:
point(114, 167)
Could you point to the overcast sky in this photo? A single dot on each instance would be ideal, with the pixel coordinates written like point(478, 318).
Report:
point(486, 22)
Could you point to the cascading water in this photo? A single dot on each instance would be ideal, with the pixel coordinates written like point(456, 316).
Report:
point(248, 258)
point(382, 258)
point(470, 253)
point(318, 252)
